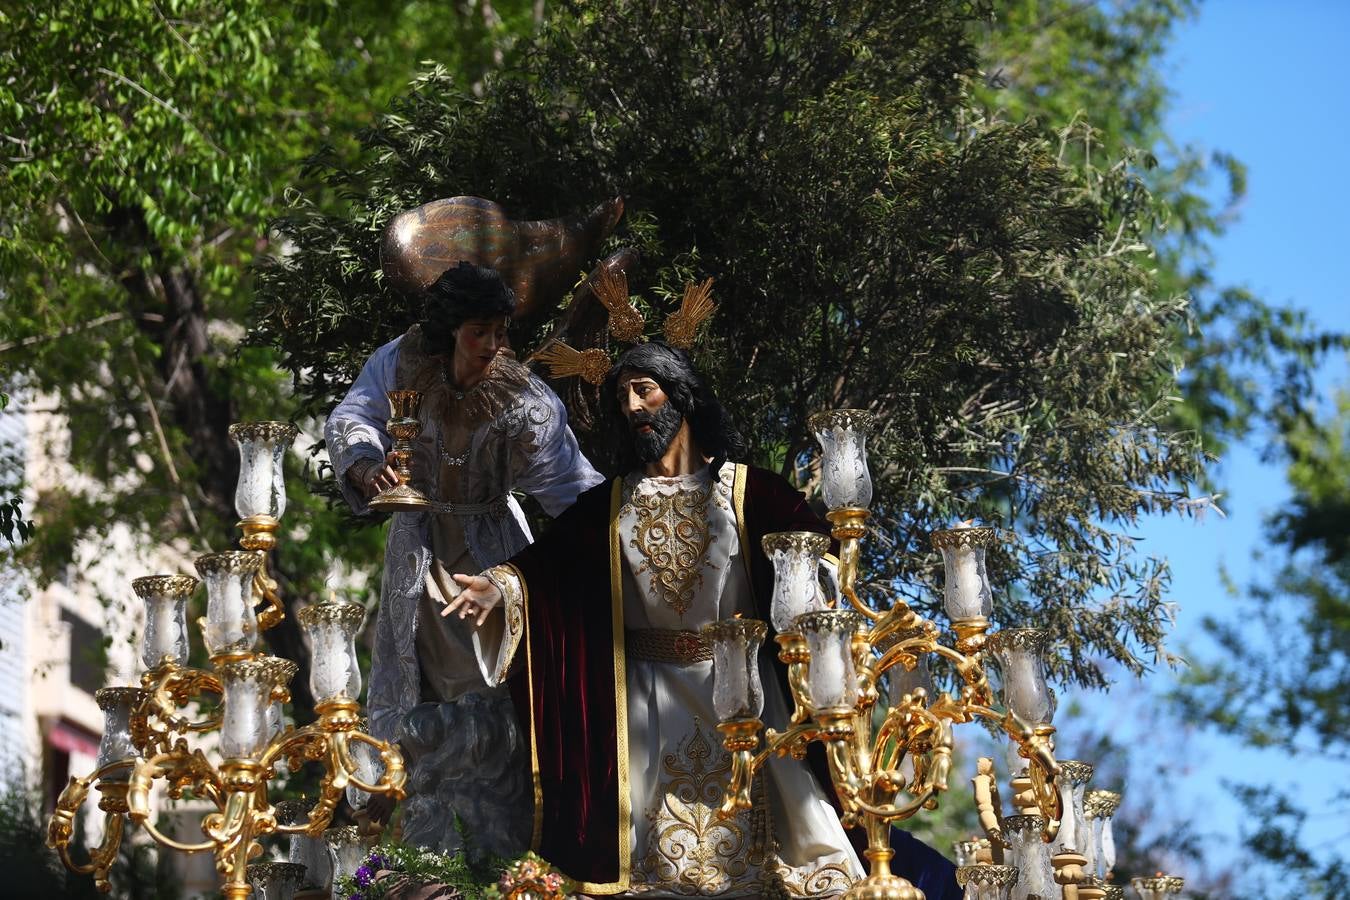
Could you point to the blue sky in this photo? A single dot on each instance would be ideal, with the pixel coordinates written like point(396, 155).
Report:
point(1267, 83)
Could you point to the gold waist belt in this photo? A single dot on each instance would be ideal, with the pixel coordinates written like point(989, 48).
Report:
point(667, 645)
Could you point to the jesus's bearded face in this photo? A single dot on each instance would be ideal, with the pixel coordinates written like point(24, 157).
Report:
point(654, 420)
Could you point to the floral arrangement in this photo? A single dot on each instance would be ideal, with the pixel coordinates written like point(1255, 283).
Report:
point(390, 867)
point(530, 878)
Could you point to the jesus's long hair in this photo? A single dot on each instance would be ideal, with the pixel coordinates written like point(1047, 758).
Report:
point(711, 427)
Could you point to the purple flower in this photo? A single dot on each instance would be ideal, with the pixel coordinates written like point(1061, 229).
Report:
point(377, 862)
point(357, 896)
point(364, 876)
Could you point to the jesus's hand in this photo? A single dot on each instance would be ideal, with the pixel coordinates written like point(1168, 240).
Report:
point(479, 597)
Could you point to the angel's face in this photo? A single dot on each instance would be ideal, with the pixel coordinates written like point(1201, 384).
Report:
point(477, 341)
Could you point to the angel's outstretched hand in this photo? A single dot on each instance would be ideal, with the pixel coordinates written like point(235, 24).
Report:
point(478, 598)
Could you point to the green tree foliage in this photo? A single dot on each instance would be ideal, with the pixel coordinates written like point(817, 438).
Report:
point(146, 147)
point(877, 241)
point(14, 528)
point(1248, 375)
point(1245, 364)
point(1286, 691)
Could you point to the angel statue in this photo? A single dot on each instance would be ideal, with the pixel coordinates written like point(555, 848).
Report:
point(489, 428)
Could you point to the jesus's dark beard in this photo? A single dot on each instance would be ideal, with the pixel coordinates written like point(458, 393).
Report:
point(650, 446)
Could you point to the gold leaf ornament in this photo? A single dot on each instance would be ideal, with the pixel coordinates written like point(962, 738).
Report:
point(611, 287)
point(681, 326)
point(562, 360)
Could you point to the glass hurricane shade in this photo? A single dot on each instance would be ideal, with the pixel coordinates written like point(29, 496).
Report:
point(368, 767)
point(1158, 887)
point(331, 629)
point(1074, 832)
point(275, 880)
point(1019, 652)
point(986, 882)
point(1028, 853)
point(796, 558)
point(842, 433)
point(901, 681)
point(231, 624)
point(347, 849)
point(247, 686)
point(117, 704)
point(309, 853)
point(831, 680)
point(1100, 807)
point(966, 593)
point(1017, 764)
point(165, 599)
point(904, 681)
point(737, 691)
point(261, 489)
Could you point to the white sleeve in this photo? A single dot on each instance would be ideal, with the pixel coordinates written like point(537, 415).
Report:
point(495, 647)
point(355, 428)
point(549, 464)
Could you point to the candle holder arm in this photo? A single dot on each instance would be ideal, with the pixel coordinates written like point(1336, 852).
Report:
point(848, 527)
point(156, 720)
point(740, 737)
point(61, 826)
point(795, 655)
point(394, 777)
point(266, 591)
point(175, 768)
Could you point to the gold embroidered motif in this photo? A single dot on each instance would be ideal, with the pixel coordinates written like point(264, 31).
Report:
point(826, 881)
point(689, 851)
point(673, 537)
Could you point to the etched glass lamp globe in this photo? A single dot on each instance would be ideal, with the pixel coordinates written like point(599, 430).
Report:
point(845, 481)
point(331, 629)
point(116, 745)
point(1020, 655)
point(165, 639)
point(231, 623)
point(738, 693)
point(261, 489)
point(796, 558)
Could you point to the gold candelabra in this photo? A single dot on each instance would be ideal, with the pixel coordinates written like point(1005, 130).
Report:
point(149, 736)
point(836, 654)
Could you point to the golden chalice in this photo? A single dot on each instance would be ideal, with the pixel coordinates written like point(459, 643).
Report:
point(404, 427)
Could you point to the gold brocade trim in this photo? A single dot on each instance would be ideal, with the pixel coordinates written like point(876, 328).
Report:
point(509, 581)
point(690, 851)
point(738, 507)
point(833, 879)
point(620, 705)
point(673, 537)
point(536, 778)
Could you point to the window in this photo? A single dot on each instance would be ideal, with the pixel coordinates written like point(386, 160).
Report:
point(88, 654)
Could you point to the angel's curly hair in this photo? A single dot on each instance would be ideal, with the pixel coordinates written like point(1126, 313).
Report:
point(463, 292)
